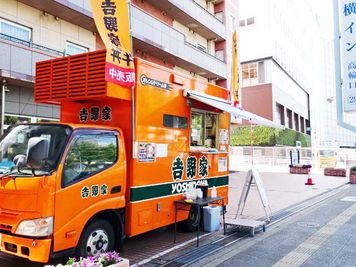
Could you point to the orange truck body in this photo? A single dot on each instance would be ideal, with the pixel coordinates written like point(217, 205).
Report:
point(145, 187)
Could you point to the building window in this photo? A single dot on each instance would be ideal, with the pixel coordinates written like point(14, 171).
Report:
point(220, 54)
point(249, 74)
point(250, 21)
point(72, 49)
point(220, 16)
point(296, 121)
point(203, 129)
point(175, 121)
point(307, 124)
point(280, 114)
point(15, 30)
point(302, 125)
point(261, 72)
point(247, 22)
point(289, 119)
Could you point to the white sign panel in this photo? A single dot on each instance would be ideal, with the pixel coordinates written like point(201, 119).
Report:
point(222, 164)
point(348, 52)
point(161, 150)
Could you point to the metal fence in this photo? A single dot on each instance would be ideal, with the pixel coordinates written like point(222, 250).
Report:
point(280, 156)
point(30, 44)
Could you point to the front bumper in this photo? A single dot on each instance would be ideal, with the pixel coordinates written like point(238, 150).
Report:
point(33, 249)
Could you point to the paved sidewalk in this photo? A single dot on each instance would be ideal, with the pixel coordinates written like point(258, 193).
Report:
point(324, 235)
point(282, 189)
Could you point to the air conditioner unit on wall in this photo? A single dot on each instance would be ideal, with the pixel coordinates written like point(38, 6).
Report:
point(215, 1)
point(201, 47)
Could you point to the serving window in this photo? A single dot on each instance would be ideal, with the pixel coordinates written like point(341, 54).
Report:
point(204, 127)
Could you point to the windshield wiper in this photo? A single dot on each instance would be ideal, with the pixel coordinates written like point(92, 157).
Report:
point(18, 172)
point(13, 174)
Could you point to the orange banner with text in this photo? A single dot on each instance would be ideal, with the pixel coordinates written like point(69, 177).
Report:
point(113, 23)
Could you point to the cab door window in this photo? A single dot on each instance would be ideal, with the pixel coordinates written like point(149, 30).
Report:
point(88, 155)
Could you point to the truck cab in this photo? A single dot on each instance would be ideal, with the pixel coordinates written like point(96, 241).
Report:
point(49, 164)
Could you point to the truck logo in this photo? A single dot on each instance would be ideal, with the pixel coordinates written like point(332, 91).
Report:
point(177, 169)
point(95, 113)
point(148, 81)
point(95, 191)
point(187, 186)
point(192, 168)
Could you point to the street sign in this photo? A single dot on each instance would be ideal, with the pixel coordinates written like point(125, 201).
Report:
point(253, 178)
point(294, 157)
point(348, 53)
point(298, 144)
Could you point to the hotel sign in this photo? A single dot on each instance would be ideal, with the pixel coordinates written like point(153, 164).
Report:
point(348, 52)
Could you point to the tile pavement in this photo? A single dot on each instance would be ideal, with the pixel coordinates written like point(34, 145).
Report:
point(282, 189)
point(289, 238)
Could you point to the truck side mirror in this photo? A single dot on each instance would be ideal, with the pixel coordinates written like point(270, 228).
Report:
point(20, 161)
point(37, 152)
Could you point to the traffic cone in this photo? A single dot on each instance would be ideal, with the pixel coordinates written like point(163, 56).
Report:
point(309, 180)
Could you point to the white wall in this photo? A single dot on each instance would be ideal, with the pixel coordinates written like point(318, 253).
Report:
point(255, 40)
point(288, 93)
point(46, 30)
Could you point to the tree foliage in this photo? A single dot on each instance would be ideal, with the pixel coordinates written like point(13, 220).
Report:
point(266, 136)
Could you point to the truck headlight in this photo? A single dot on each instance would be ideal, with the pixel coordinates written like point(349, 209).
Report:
point(37, 227)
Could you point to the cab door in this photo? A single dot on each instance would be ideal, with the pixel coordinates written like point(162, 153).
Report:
point(91, 179)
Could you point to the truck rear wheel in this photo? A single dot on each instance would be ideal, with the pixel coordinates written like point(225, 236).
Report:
point(98, 237)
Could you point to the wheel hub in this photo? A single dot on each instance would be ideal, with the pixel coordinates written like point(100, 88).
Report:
point(98, 242)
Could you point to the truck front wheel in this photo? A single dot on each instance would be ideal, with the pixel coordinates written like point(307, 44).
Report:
point(98, 237)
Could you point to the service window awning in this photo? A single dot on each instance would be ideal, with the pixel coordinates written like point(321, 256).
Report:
point(226, 106)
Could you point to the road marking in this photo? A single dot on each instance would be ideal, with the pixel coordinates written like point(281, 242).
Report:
point(306, 249)
point(350, 199)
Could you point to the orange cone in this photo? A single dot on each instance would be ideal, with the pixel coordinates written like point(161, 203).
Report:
point(309, 180)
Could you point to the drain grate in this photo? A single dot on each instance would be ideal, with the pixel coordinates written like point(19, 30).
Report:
point(197, 254)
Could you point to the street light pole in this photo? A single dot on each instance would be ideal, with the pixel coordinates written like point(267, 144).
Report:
point(3, 90)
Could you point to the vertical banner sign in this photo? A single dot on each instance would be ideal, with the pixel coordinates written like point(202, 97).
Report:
point(112, 21)
point(348, 52)
point(235, 71)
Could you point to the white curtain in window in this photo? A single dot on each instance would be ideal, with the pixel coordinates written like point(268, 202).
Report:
point(75, 49)
point(13, 31)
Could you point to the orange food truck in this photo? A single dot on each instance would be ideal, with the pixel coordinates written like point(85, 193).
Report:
point(114, 164)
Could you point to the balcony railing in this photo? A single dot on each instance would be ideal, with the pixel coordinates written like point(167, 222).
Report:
point(194, 16)
point(30, 44)
point(211, 15)
point(164, 37)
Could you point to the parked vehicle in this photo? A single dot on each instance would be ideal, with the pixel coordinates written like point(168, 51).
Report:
point(114, 164)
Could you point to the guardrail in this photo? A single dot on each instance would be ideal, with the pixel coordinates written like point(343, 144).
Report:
point(280, 156)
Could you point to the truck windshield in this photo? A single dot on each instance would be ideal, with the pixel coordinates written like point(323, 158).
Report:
point(14, 145)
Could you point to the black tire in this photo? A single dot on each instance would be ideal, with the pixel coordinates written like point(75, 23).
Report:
point(91, 235)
